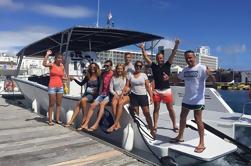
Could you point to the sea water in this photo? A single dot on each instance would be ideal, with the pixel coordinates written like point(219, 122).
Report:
point(236, 99)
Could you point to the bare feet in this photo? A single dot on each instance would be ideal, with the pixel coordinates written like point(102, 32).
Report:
point(68, 125)
point(51, 124)
point(176, 140)
point(176, 129)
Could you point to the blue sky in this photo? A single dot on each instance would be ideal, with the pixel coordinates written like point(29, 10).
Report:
point(223, 25)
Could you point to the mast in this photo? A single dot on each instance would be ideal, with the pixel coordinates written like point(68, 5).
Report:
point(97, 15)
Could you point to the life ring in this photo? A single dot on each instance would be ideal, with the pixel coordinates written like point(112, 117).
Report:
point(9, 85)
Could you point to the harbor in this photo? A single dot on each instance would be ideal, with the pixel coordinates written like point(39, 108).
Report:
point(26, 139)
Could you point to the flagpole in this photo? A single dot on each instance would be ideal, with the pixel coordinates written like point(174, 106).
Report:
point(97, 15)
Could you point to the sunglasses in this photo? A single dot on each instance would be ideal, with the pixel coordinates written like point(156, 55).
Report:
point(138, 66)
point(106, 66)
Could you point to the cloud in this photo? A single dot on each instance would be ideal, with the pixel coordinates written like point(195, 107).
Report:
point(9, 4)
point(232, 50)
point(165, 42)
point(49, 10)
point(65, 12)
point(13, 41)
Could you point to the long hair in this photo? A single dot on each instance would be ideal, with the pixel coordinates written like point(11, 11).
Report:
point(123, 73)
point(97, 70)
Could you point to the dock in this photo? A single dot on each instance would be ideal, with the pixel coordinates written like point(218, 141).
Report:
point(27, 139)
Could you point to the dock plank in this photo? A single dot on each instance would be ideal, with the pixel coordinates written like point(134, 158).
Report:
point(26, 139)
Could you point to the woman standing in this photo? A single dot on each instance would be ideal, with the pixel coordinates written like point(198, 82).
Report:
point(92, 82)
point(55, 89)
point(117, 89)
point(139, 84)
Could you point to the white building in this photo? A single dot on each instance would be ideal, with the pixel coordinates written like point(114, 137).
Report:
point(117, 56)
point(202, 56)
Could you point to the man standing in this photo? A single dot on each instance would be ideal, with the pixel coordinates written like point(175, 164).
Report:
point(195, 76)
point(129, 67)
point(162, 90)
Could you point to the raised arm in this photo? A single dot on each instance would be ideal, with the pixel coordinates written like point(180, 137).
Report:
point(211, 76)
point(45, 63)
point(146, 57)
point(171, 57)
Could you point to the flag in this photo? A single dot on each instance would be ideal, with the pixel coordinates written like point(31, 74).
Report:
point(109, 18)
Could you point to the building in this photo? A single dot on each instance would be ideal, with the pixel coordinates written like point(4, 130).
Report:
point(117, 56)
point(202, 56)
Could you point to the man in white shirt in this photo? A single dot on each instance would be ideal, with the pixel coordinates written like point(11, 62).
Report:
point(194, 76)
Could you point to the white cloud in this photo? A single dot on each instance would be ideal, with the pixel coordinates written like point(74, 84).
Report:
point(13, 41)
point(10, 4)
point(165, 43)
point(65, 12)
point(232, 50)
point(50, 10)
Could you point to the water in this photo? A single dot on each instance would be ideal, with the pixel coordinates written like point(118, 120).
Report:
point(236, 100)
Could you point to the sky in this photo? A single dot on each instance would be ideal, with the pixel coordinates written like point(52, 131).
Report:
point(223, 25)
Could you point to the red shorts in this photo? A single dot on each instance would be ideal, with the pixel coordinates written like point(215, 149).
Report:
point(163, 95)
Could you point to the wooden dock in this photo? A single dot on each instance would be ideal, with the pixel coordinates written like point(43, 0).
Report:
point(26, 139)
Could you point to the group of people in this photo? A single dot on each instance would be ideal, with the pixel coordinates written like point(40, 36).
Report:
point(128, 84)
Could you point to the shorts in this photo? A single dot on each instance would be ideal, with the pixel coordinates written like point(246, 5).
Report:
point(101, 98)
point(54, 90)
point(163, 95)
point(138, 100)
point(89, 97)
point(194, 107)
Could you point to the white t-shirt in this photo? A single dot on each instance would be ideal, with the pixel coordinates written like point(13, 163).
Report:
point(117, 85)
point(195, 79)
point(138, 86)
point(129, 69)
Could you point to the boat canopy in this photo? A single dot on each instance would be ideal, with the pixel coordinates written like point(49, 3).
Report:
point(81, 38)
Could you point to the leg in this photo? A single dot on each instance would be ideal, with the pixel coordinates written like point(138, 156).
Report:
point(114, 105)
point(198, 119)
point(156, 114)
point(100, 114)
point(59, 106)
point(148, 120)
point(89, 115)
point(83, 103)
point(183, 117)
point(52, 100)
point(169, 107)
point(76, 111)
point(120, 105)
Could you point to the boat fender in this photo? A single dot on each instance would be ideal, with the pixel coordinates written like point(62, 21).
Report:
point(69, 114)
point(34, 106)
point(128, 137)
point(168, 161)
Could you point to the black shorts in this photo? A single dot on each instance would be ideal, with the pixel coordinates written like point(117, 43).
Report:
point(193, 107)
point(138, 100)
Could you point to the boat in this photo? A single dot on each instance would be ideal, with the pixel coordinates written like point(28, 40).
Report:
point(133, 135)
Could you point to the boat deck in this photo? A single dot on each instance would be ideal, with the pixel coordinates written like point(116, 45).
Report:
point(26, 139)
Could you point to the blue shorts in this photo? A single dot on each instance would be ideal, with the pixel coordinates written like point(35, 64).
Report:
point(89, 97)
point(101, 98)
point(53, 90)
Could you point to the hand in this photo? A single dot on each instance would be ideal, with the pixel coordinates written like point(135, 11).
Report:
point(151, 100)
point(116, 96)
point(177, 41)
point(71, 78)
point(142, 46)
point(154, 92)
point(49, 52)
point(165, 76)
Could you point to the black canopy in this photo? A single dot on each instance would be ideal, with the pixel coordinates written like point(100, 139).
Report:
point(86, 39)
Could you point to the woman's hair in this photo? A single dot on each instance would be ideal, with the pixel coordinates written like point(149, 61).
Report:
point(123, 73)
point(139, 62)
point(97, 70)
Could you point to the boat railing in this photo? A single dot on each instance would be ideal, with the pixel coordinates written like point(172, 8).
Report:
point(243, 110)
